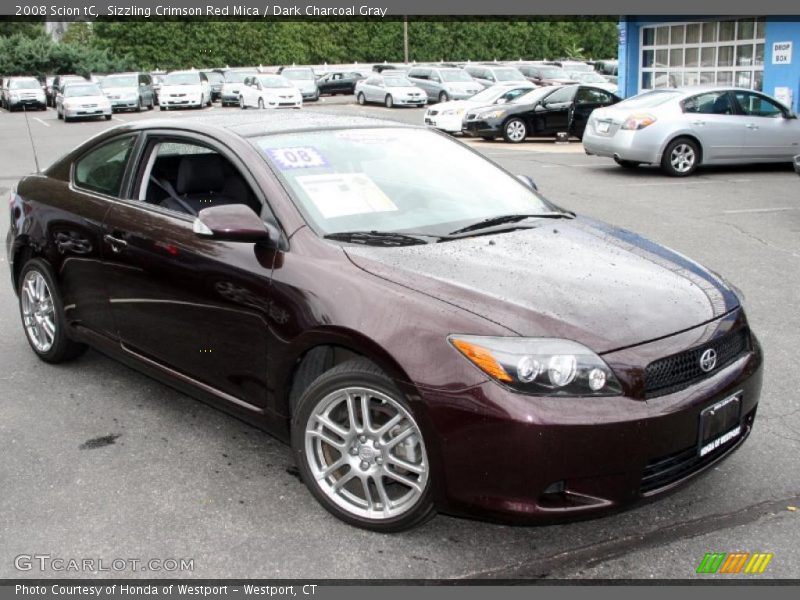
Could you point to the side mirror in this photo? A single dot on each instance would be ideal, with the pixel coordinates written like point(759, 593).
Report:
point(501, 101)
point(789, 115)
point(231, 223)
point(142, 84)
point(529, 182)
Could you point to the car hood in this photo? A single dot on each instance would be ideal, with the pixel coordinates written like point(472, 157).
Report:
point(119, 91)
point(405, 89)
point(580, 279)
point(85, 99)
point(463, 86)
point(182, 89)
point(304, 85)
point(280, 92)
point(453, 105)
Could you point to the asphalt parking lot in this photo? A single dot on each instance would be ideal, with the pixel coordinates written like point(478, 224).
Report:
point(164, 476)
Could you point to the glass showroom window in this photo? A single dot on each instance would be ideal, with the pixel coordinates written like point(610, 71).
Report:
point(729, 52)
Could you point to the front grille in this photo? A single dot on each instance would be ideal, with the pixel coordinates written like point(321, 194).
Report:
point(670, 374)
point(666, 470)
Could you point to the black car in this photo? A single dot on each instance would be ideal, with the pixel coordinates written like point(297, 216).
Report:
point(215, 79)
point(542, 111)
point(339, 82)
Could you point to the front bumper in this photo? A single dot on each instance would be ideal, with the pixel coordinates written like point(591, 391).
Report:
point(449, 123)
point(74, 113)
point(127, 104)
point(481, 129)
point(422, 101)
point(26, 102)
point(516, 458)
point(181, 102)
point(229, 97)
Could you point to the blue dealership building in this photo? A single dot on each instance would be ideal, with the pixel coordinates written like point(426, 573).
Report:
point(761, 53)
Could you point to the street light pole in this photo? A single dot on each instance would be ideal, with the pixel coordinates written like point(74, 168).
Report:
point(405, 39)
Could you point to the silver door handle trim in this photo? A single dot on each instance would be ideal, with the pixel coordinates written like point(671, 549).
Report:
point(116, 244)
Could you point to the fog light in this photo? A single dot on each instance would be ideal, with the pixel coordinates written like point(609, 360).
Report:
point(528, 369)
point(561, 369)
point(597, 379)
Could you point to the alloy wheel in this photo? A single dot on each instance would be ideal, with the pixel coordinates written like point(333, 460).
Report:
point(38, 312)
point(366, 453)
point(516, 131)
point(682, 158)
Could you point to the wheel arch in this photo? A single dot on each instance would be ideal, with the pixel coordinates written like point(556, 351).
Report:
point(318, 351)
point(683, 135)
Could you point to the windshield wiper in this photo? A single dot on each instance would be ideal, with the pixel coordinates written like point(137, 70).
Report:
point(379, 238)
point(503, 219)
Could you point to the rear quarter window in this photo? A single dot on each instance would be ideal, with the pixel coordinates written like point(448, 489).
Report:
point(102, 169)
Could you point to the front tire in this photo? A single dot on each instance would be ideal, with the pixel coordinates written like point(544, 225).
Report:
point(261, 104)
point(42, 313)
point(360, 450)
point(443, 97)
point(242, 105)
point(515, 131)
point(681, 158)
point(361, 99)
point(388, 101)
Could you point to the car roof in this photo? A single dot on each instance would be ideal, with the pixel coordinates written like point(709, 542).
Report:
point(251, 124)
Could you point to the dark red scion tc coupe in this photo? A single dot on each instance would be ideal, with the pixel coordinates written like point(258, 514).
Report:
point(425, 329)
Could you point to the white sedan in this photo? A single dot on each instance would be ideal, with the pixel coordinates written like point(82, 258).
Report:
point(269, 91)
point(390, 88)
point(448, 116)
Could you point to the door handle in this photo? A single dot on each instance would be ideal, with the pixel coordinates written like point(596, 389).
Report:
point(698, 123)
point(751, 126)
point(116, 244)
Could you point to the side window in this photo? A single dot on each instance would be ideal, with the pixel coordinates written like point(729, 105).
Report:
point(755, 105)
point(710, 103)
point(511, 94)
point(564, 94)
point(487, 74)
point(101, 170)
point(592, 96)
point(186, 177)
point(435, 77)
point(372, 81)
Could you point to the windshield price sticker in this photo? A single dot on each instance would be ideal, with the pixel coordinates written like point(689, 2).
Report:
point(303, 157)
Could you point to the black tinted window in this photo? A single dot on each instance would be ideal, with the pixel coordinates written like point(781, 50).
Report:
point(101, 169)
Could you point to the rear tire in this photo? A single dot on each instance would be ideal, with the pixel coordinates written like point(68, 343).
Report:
point(261, 104)
point(42, 312)
point(681, 157)
point(361, 99)
point(241, 103)
point(443, 97)
point(376, 492)
point(388, 101)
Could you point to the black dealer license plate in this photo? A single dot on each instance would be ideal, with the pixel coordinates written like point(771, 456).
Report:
point(720, 423)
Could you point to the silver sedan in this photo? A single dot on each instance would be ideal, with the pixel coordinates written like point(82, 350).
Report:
point(680, 129)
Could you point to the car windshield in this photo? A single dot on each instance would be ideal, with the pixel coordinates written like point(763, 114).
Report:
point(650, 99)
point(582, 67)
point(508, 74)
point(586, 77)
point(182, 79)
point(76, 90)
point(534, 95)
point(455, 75)
point(113, 81)
point(393, 179)
point(24, 84)
point(238, 76)
point(490, 94)
point(397, 81)
point(298, 74)
point(157, 78)
point(214, 77)
point(274, 81)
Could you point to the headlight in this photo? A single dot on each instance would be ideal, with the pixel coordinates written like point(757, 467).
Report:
point(540, 366)
point(638, 122)
point(14, 96)
point(453, 111)
point(495, 114)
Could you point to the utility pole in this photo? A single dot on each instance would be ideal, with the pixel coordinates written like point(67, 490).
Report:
point(405, 39)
